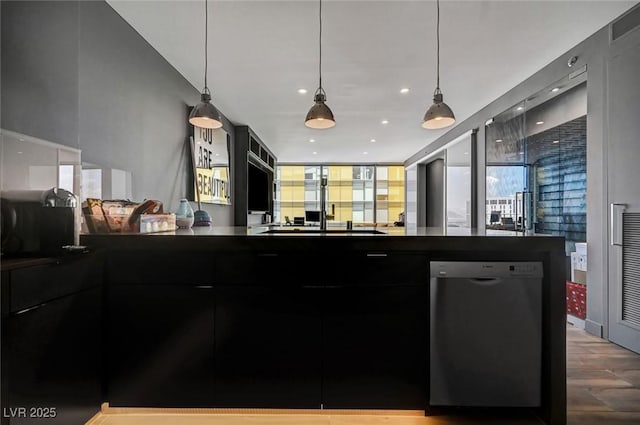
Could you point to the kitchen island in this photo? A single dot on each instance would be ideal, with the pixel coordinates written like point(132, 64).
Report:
point(235, 317)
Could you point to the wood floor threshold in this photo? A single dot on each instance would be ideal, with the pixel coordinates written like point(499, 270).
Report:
point(245, 416)
point(108, 410)
point(194, 416)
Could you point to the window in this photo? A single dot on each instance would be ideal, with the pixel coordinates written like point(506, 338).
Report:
point(364, 194)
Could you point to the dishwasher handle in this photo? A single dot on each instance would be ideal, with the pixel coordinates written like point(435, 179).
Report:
point(485, 281)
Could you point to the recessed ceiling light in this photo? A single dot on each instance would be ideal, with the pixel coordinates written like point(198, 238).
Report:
point(373, 140)
point(315, 153)
point(540, 122)
point(22, 140)
point(555, 89)
point(521, 153)
point(556, 141)
point(364, 153)
point(19, 152)
point(404, 90)
point(519, 108)
point(385, 122)
point(302, 91)
point(217, 154)
point(498, 140)
point(312, 140)
point(466, 153)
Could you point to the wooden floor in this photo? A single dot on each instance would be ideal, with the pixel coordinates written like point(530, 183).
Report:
point(603, 382)
point(603, 388)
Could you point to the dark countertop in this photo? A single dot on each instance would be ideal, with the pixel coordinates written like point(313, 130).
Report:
point(331, 231)
point(497, 245)
point(19, 263)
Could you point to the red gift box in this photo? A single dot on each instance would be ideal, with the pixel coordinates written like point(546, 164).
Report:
point(577, 299)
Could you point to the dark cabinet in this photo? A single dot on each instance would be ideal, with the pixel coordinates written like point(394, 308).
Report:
point(250, 152)
point(348, 334)
point(52, 358)
point(160, 345)
point(268, 329)
point(268, 347)
point(51, 339)
point(374, 340)
point(374, 347)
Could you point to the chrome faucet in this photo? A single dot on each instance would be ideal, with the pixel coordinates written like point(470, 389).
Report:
point(323, 203)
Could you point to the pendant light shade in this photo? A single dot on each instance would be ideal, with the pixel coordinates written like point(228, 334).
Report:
point(320, 115)
point(204, 114)
point(439, 115)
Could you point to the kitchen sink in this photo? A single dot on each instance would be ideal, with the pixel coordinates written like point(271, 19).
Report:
point(328, 231)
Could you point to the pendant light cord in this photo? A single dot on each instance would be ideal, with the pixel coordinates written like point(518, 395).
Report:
point(206, 40)
point(437, 46)
point(320, 47)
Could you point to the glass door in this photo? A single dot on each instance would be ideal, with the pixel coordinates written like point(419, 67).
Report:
point(536, 164)
point(507, 207)
point(458, 185)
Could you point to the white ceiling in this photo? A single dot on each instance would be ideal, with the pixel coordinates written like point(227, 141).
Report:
point(262, 52)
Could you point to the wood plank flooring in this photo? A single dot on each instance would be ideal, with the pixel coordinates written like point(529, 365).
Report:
point(603, 381)
point(603, 388)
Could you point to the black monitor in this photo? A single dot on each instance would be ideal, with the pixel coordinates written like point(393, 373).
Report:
point(312, 216)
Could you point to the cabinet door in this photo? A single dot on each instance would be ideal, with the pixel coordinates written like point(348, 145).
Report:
point(160, 346)
point(374, 347)
point(54, 360)
point(267, 347)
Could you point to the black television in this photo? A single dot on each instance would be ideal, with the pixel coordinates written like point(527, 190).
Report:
point(312, 216)
point(258, 192)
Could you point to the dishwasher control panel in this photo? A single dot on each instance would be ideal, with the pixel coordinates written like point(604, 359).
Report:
point(486, 269)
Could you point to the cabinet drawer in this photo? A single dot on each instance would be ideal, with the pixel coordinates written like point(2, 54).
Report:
point(160, 267)
point(320, 268)
point(381, 268)
point(267, 268)
point(35, 285)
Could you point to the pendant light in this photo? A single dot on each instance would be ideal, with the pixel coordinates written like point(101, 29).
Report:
point(204, 114)
point(320, 116)
point(439, 115)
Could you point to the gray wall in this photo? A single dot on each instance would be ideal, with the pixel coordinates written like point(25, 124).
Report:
point(40, 69)
point(592, 52)
point(95, 84)
point(557, 111)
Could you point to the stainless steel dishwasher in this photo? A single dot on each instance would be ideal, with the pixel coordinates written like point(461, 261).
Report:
point(485, 333)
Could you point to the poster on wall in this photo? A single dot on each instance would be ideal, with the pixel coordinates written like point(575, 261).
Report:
point(211, 154)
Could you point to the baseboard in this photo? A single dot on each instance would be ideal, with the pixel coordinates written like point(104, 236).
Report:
point(576, 321)
point(594, 328)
